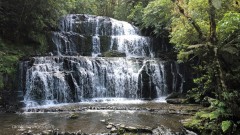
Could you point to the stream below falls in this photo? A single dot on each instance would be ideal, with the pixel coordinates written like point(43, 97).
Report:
point(145, 117)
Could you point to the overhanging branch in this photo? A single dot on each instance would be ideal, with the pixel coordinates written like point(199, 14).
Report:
point(190, 20)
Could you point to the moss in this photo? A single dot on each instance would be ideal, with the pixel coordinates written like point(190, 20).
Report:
point(10, 54)
point(42, 39)
point(121, 131)
point(193, 124)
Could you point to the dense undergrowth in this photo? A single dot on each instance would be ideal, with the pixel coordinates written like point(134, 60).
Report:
point(11, 54)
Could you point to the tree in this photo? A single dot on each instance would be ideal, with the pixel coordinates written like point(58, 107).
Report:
point(206, 35)
point(158, 14)
point(208, 49)
point(25, 21)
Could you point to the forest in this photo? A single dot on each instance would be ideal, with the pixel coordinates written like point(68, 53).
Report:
point(205, 34)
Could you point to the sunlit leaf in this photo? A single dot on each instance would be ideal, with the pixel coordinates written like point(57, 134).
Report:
point(226, 125)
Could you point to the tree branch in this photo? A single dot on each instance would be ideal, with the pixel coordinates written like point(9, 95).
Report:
point(190, 20)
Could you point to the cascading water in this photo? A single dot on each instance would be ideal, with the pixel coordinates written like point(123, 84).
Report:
point(68, 77)
point(102, 33)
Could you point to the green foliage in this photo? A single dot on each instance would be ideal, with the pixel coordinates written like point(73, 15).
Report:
point(10, 55)
point(131, 10)
point(7, 60)
point(198, 9)
point(83, 6)
point(137, 13)
point(122, 10)
point(211, 120)
point(181, 32)
point(216, 64)
point(228, 26)
point(226, 125)
point(158, 15)
point(193, 123)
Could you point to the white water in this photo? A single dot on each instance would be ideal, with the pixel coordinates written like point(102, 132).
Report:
point(122, 36)
point(53, 80)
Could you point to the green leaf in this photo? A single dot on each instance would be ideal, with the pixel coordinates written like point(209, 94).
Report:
point(214, 115)
point(226, 125)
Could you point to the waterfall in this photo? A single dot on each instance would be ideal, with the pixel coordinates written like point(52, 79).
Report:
point(104, 32)
point(132, 45)
point(77, 73)
point(66, 79)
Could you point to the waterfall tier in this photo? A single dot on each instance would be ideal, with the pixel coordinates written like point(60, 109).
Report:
point(90, 35)
point(75, 79)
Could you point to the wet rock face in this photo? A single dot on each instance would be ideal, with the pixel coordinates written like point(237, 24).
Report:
point(90, 24)
point(114, 54)
point(90, 35)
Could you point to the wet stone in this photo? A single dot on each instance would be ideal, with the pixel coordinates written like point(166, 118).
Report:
point(109, 126)
point(46, 132)
point(113, 129)
point(21, 129)
point(103, 121)
point(122, 126)
point(110, 123)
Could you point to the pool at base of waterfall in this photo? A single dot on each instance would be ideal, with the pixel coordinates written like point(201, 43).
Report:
point(144, 117)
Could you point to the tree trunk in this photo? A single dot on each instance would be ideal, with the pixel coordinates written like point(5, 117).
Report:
point(221, 86)
point(219, 73)
point(213, 35)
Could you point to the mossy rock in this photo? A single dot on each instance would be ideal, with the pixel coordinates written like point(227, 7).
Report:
point(73, 116)
point(121, 131)
point(174, 95)
point(114, 54)
point(175, 101)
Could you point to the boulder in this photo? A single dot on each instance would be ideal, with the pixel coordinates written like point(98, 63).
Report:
point(109, 126)
point(113, 130)
point(174, 95)
point(175, 98)
point(175, 101)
